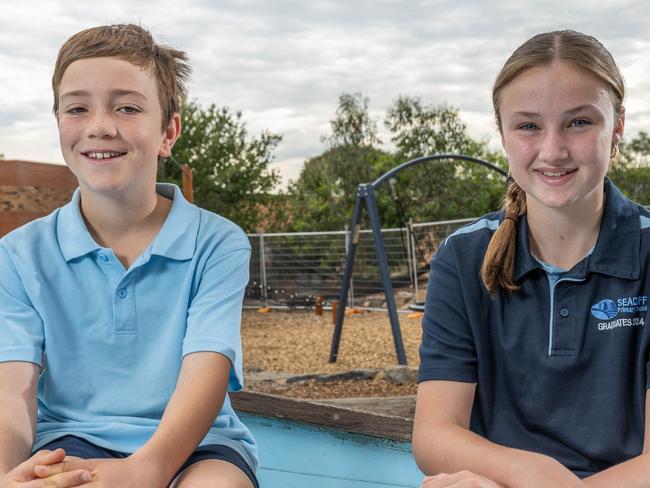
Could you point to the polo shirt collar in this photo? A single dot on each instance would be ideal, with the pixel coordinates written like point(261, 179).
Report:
point(177, 236)
point(617, 248)
point(176, 239)
point(72, 233)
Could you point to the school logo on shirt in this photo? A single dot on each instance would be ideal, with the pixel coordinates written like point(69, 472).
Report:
point(608, 309)
point(604, 309)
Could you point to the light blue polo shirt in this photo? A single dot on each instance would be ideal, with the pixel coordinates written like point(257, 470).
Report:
point(114, 338)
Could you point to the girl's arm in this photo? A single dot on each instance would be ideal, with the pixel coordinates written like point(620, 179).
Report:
point(634, 473)
point(443, 443)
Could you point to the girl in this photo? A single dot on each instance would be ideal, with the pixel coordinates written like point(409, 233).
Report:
point(534, 351)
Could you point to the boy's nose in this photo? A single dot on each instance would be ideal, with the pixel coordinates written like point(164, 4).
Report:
point(553, 148)
point(102, 126)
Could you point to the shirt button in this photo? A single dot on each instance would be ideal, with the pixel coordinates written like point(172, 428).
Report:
point(564, 312)
point(103, 257)
point(122, 293)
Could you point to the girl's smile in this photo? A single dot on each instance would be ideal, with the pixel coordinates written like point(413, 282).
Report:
point(558, 128)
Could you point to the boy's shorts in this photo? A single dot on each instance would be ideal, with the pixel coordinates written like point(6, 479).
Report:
point(75, 446)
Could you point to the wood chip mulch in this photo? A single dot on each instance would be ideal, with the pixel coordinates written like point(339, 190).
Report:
point(298, 343)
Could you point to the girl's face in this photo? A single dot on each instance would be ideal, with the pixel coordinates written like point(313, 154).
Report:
point(557, 127)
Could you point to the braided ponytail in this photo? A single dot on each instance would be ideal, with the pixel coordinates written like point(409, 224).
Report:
point(499, 261)
point(576, 49)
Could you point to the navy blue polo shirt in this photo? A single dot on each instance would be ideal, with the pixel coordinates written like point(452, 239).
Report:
point(561, 366)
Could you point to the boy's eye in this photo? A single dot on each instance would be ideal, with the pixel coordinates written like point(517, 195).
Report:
point(128, 109)
point(75, 110)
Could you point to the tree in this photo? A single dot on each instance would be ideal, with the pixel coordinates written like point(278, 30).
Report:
point(325, 192)
point(420, 130)
point(631, 170)
point(445, 189)
point(352, 125)
point(230, 169)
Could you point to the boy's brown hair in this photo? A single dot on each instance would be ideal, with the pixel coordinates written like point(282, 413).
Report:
point(134, 44)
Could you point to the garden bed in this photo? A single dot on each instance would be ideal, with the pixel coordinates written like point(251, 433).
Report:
point(286, 353)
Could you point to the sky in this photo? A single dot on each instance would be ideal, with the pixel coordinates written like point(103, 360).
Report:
point(284, 63)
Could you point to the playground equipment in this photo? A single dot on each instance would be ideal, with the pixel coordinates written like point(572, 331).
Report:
point(366, 194)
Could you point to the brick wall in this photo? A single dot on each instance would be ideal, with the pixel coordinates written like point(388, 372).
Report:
point(30, 190)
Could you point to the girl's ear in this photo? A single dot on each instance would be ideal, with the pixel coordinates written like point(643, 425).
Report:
point(619, 127)
point(171, 133)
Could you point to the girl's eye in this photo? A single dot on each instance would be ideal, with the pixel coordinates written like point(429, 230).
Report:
point(528, 126)
point(75, 110)
point(579, 123)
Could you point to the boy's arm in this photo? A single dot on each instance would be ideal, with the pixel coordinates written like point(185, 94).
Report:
point(443, 443)
point(191, 411)
point(634, 473)
point(194, 405)
point(18, 410)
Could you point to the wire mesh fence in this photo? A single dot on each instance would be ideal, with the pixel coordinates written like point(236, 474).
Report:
point(292, 269)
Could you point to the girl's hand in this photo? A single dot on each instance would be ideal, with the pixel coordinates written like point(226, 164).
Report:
point(462, 479)
point(24, 476)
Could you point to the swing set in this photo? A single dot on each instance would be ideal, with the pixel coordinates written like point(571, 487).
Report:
point(366, 195)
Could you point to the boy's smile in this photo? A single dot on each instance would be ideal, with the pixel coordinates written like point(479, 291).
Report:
point(110, 126)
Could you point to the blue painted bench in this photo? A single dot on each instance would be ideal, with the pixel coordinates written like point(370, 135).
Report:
point(308, 444)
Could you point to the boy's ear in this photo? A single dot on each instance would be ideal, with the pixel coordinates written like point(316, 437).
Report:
point(171, 133)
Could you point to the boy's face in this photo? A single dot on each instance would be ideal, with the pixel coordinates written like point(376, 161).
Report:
point(109, 123)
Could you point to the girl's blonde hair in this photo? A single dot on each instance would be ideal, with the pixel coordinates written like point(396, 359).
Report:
point(581, 51)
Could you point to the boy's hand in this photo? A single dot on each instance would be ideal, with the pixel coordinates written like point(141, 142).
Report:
point(108, 473)
point(24, 476)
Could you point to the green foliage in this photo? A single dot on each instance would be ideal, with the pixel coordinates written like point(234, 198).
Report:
point(420, 130)
point(631, 172)
point(325, 193)
point(230, 168)
point(2, 156)
point(447, 189)
point(352, 125)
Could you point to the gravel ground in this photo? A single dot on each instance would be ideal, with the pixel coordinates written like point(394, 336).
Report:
point(298, 342)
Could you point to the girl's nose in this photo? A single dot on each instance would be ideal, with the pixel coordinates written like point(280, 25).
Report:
point(553, 148)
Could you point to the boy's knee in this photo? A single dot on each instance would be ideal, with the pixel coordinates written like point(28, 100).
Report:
point(212, 473)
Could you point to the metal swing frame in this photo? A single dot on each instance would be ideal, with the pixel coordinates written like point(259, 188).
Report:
point(366, 194)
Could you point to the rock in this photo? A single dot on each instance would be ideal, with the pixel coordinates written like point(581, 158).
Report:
point(266, 376)
point(401, 375)
point(302, 378)
point(353, 375)
point(356, 374)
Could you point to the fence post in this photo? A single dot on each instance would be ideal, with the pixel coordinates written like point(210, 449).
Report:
point(414, 261)
point(347, 246)
point(263, 269)
point(409, 258)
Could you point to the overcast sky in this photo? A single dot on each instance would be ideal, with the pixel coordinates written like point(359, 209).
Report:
point(284, 63)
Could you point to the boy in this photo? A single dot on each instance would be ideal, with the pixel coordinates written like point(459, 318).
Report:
point(133, 294)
